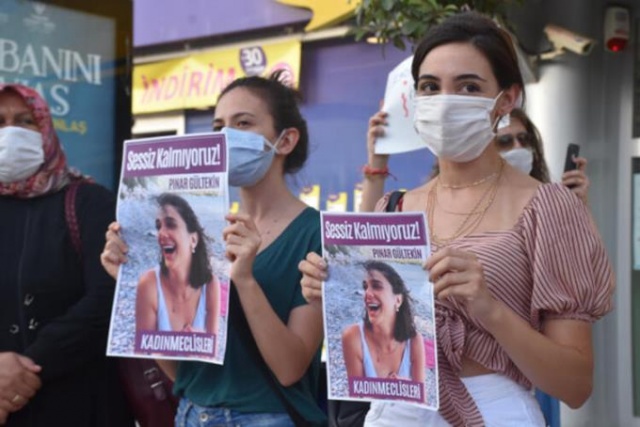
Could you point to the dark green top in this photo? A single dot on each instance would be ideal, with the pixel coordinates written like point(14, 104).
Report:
point(239, 384)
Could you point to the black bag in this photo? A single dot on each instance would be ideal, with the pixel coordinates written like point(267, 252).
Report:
point(148, 391)
point(346, 413)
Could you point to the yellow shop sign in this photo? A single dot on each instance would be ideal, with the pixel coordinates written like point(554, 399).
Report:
point(326, 13)
point(197, 80)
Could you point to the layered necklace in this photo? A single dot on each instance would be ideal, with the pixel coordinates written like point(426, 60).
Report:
point(471, 219)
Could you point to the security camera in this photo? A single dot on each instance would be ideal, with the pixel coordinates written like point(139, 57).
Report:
point(563, 39)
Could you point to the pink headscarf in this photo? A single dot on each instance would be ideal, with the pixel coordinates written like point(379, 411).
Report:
point(54, 173)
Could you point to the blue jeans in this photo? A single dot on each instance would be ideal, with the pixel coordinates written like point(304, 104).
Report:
point(191, 415)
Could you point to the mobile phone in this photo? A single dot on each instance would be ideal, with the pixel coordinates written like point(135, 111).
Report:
point(573, 150)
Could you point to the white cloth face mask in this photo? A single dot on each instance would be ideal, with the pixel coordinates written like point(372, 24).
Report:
point(519, 158)
point(21, 153)
point(455, 127)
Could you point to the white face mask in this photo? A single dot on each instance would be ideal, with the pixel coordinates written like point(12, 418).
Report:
point(455, 127)
point(504, 121)
point(519, 158)
point(21, 153)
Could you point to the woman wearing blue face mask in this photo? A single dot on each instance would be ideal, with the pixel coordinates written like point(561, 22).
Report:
point(271, 367)
point(518, 268)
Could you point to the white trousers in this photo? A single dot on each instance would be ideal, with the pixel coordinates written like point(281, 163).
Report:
point(501, 401)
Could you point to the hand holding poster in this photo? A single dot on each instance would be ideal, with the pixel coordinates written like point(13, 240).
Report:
point(171, 294)
point(399, 134)
point(378, 308)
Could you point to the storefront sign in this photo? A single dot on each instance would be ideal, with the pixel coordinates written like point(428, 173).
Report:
point(196, 81)
point(325, 12)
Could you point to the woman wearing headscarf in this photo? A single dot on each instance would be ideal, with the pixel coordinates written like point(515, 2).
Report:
point(55, 298)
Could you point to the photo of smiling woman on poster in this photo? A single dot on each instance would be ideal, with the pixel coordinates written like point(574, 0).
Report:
point(386, 343)
point(181, 293)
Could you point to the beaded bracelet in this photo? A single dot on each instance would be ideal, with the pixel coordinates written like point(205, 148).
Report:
point(371, 171)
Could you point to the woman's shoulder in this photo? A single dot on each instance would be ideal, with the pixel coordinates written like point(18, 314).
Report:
point(555, 199)
point(351, 330)
point(147, 290)
point(351, 336)
point(309, 213)
point(92, 189)
point(307, 220)
point(147, 279)
point(417, 343)
point(92, 196)
point(556, 215)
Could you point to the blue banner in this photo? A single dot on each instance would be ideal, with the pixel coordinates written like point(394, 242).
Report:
point(69, 58)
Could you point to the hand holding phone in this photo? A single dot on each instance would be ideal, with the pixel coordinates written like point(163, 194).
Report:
point(573, 151)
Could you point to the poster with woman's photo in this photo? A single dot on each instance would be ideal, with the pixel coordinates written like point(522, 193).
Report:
point(378, 307)
point(171, 296)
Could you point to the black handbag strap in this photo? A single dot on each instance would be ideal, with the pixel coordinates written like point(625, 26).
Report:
point(241, 326)
point(394, 198)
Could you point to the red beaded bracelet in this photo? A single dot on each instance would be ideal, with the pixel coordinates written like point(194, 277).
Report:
point(370, 171)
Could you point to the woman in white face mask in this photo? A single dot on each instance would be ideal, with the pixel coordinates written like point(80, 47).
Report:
point(519, 271)
point(54, 303)
point(271, 368)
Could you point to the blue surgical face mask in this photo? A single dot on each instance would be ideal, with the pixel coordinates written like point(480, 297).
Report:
point(249, 160)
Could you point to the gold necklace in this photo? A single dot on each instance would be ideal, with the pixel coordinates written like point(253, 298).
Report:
point(473, 184)
point(466, 223)
point(471, 220)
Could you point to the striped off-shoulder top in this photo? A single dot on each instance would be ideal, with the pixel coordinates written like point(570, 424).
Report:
point(551, 265)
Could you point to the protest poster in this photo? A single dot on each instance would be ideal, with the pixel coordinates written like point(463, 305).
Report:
point(400, 135)
point(378, 308)
point(171, 297)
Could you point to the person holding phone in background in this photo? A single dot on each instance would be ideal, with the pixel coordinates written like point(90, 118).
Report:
point(521, 136)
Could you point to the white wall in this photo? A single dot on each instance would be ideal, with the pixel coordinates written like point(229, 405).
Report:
point(588, 100)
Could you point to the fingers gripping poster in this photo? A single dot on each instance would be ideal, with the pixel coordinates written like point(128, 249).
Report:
point(171, 296)
point(379, 308)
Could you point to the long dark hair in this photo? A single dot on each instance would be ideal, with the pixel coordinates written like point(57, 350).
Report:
point(200, 272)
point(282, 102)
point(404, 327)
point(539, 168)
